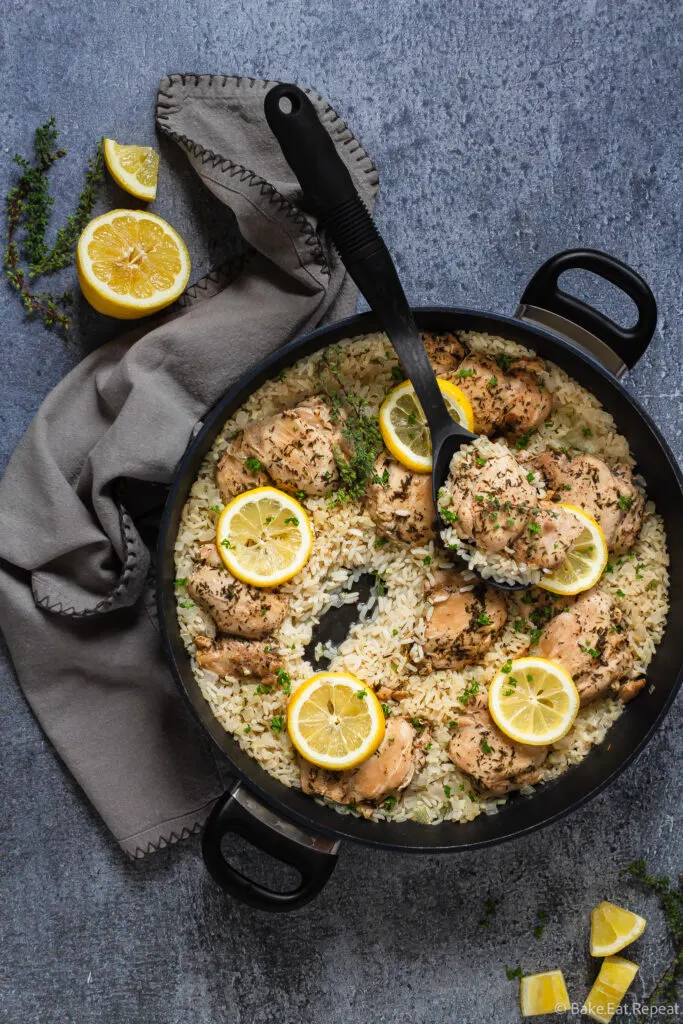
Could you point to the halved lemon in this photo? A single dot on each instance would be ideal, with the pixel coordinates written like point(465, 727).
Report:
point(404, 427)
point(264, 537)
point(131, 263)
point(134, 168)
point(543, 993)
point(533, 701)
point(611, 985)
point(585, 561)
point(335, 721)
point(613, 928)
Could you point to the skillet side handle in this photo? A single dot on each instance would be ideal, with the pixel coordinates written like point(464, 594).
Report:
point(542, 294)
point(239, 813)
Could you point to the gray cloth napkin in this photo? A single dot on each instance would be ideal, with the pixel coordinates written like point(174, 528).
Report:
point(76, 583)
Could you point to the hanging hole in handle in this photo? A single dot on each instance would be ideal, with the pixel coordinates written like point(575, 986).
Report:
point(288, 104)
point(256, 866)
point(601, 294)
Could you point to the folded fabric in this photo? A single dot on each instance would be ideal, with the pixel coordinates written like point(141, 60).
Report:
point(77, 604)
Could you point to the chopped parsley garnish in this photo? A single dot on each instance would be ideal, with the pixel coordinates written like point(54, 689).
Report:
point(492, 382)
point(226, 544)
point(381, 541)
point(447, 790)
point(470, 691)
point(625, 502)
point(247, 728)
point(277, 723)
point(299, 495)
point(651, 585)
point(522, 441)
point(589, 650)
point(389, 803)
point(511, 975)
point(186, 604)
point(586, 431)
point(263, 688)
point(447, 515)
point(387, 710)
point(503, 360)
point(465, 373)
point(284, 680)
point(291, 519)
point(507, 667)
point(483, 619)
point(452, 724)
point(531, 477)
point(362, 694)
point(252, 464)
point(427, 560)
point(535, 528)
point(479, 461)
point(397, 373)
point(486, 746)
point(620, 593)
point(418, 724)
point(216, 508)
point(180, 582)
point(479, 497)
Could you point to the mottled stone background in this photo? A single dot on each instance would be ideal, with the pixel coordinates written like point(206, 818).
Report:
point(503, 132)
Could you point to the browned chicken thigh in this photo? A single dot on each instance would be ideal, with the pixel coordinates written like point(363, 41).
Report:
point(547, 537)
point(462, 624)
point(491, 503)
point(496, 763)
point(445, 351)
point(228, 656)
point(236, 607)
point(608, 494)
point(585, 639)
point(389, 770)
point(402, 506)
point(296, 448)
point(239, 470)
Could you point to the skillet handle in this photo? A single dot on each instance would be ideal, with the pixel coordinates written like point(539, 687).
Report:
point(542, 295)
point(329, 190)
point(239, 813)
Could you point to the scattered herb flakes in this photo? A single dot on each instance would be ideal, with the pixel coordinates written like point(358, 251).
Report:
point(490, 908)
point(670, 895)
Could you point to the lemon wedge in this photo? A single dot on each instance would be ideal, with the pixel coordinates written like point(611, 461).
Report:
point(611, 985)
point(264, 537)
point(335, 721)
point(134, 168)
point(543, 993)
point(404, 427)
point(533, 701)
point(131, 263)
point(585, 561)
point(613, 928)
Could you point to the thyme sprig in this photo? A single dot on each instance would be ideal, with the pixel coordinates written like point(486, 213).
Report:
point(666, 989)
point(28, 206)
point(358, 428)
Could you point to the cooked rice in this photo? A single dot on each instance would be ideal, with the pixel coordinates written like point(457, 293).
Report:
point(385, 644)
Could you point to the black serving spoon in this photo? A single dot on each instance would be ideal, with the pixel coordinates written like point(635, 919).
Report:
point(329, 190)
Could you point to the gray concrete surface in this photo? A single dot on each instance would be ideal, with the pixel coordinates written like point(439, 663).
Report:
point(503, 132)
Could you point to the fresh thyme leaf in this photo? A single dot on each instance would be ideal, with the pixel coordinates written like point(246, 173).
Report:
point(28, 205)
point(670, 895)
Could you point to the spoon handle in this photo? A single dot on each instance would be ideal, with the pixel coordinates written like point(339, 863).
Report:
point(331, 193)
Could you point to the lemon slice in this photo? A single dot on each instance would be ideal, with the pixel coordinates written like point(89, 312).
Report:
point(613, 928)
point(131, 263)
point(585, 561)
point(134, 168)
point(404, 427)
point(335, 721)
point(543, 993)
point(264, 537)
point(533, 701)
point(611, 985)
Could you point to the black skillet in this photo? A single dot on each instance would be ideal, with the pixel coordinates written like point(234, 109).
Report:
point(305, 834)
